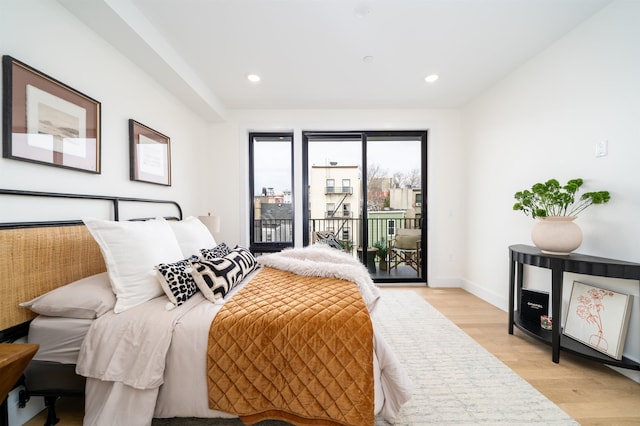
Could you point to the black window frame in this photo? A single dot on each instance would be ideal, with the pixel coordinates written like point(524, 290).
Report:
point(363, 136)
point(271, 246)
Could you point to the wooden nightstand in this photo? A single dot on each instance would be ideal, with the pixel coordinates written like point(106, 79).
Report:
point(14, 358)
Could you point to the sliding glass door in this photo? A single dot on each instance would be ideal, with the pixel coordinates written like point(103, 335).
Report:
point(365, 189)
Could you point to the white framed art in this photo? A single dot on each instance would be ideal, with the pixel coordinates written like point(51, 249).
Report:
point(46, 121)
point(598, 318)
point(150, 153)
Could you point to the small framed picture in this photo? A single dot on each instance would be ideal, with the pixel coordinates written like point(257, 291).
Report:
point(598, 318)
point(150, 155)
point(48, 122)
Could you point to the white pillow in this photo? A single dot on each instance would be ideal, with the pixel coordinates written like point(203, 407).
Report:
point(131, 249)
point(192, 236)
point(87, 298)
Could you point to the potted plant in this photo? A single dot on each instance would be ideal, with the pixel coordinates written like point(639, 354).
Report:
point(382, 249)
point(347, 245)
point(557, 207)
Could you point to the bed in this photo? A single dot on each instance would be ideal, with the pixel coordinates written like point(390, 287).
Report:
point(169, 331)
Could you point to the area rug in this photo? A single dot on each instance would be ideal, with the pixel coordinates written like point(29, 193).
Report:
point(456, 381)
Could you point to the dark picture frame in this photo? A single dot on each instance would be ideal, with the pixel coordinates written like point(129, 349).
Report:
point(150, 154)
point(47, 122)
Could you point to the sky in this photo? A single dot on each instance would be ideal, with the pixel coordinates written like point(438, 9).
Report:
point(273, 159)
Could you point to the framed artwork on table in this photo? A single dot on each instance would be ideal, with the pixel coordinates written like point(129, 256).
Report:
point(46, 121)
point(150, 153)
point(598, 318)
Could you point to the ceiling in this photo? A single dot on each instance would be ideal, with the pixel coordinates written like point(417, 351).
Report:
point(311, 54)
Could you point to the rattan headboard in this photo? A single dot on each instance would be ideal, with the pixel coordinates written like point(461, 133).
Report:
point(36, 260)
point(36, 257)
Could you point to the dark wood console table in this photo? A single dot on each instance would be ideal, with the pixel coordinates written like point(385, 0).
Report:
point(520, 255)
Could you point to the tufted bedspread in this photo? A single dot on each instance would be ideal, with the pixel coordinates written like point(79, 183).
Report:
point(294, 348)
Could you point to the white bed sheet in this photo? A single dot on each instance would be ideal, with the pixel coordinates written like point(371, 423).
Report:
point(59, 338)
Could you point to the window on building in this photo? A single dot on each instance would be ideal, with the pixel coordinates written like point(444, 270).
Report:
point(331, 186)
point(391, 227)
point(346, 186)
point(331, 209)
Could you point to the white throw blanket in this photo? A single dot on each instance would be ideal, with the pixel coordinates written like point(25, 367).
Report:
point(320, 260)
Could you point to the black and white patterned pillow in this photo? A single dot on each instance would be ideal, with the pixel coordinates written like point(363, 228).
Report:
point(176, 280)
point(221, 250)
point(215, 278)
point(244, 258)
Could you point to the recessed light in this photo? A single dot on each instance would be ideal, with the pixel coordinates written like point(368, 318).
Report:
point(367, 59)
point(431, 78)
point(254, 78)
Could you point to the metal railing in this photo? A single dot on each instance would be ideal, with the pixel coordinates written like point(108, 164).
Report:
point(338, 190)
point(378, 229)
point(273, 230)
point(346, 229)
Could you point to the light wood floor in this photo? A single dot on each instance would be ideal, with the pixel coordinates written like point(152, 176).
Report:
point(589, 392)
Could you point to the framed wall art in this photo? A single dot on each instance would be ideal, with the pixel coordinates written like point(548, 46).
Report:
point(150, 153)
point(598, 318)
point(46, 121)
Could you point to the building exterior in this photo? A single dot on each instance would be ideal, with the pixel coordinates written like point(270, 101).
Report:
point(273, 215)
point(406, 198)
point(334, 201)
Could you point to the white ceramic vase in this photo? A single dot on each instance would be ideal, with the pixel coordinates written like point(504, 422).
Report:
point(557, 235)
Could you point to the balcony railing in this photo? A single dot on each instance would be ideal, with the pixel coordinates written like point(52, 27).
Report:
point(377, 229)
point(346, 229)
point(338, 190)
point(273, 230)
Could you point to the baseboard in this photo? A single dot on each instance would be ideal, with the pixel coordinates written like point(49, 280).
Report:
point(19, 416)
point(497, 300)
point(631, 374)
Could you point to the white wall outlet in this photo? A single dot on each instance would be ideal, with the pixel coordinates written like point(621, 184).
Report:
point(602, 148)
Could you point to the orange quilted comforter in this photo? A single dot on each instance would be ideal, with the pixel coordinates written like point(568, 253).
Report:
point(293, 348)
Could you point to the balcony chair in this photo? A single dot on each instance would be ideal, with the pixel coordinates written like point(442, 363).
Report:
point(405, 248)
point(328, 238)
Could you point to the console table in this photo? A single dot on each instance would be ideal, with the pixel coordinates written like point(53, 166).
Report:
point(520, 255)
point(14, 359)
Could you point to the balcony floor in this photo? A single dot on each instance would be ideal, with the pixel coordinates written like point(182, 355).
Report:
point(401, 272)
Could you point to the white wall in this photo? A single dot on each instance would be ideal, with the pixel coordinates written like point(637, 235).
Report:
point(445, 193)
point(47, 37)
point(543, 121)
